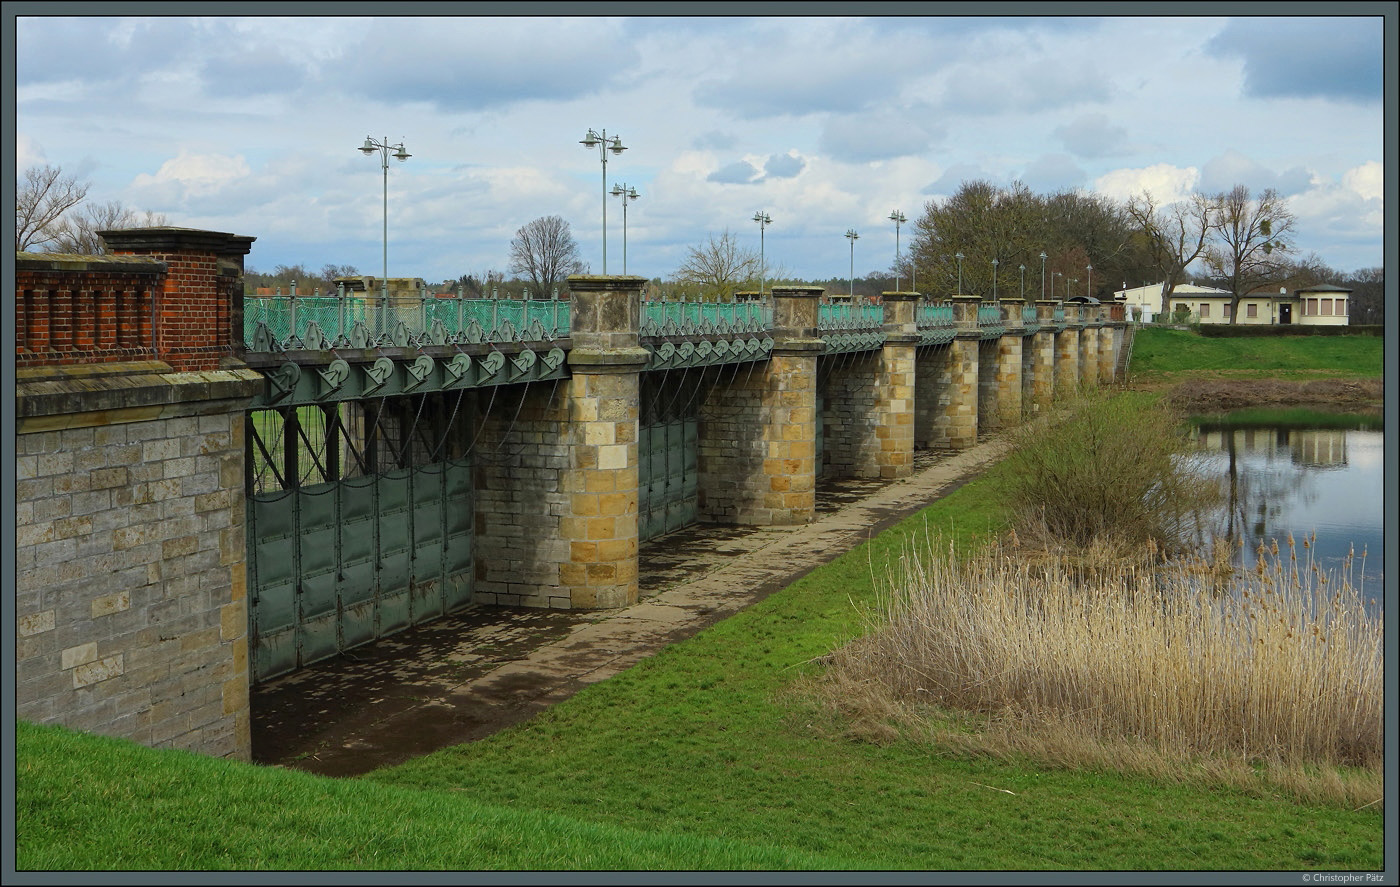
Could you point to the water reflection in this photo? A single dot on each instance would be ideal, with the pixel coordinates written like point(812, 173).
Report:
point(1278, 481)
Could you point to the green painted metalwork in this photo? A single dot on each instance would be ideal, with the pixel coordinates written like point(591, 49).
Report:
point(1029, 318)
point(847, 326)
point(318, 323)
point(667, 476)
point(675, 318)
point(989, 322)
point(295, 384)
point(934, 321)
point(337, 564)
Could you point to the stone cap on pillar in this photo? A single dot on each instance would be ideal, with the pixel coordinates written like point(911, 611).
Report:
point(605, 322)
point(165, 239)
point(1045, 309)
point(901, 327)
point(795, 312)
point(965, 314)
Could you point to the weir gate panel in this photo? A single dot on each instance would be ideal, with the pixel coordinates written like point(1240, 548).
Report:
point(356, 554)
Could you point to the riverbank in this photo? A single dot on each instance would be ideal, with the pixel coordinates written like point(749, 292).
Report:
point(1219, 392)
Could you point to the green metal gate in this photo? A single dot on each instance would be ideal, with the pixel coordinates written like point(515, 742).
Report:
point(342, 562)
point(667, 476)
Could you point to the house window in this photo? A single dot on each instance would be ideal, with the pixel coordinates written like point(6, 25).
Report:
point(1341, 307)
point(1326, 307)
point(1205, 309)
point(1225, 310)
point(1251, 310)
point(1309, 307)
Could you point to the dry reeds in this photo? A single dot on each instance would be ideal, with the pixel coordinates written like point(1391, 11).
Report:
point(1192, 666)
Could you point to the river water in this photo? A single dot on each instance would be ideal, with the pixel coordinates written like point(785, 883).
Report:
point(1302, 480)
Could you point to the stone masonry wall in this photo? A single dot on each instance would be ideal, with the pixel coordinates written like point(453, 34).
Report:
point(849, 442)
point(130, 594)
point(931, 381)
point(519, 458)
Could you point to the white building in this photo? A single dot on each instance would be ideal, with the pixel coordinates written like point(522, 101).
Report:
point(1319, 305)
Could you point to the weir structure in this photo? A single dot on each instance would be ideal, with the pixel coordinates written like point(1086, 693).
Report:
point(216, 490)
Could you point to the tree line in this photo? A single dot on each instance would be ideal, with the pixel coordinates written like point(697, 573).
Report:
point(984, 240)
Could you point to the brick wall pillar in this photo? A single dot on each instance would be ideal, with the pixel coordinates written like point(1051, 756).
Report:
point(1089, 346)
point(894, 388)
point(1108, 353)
point(1008, 371)
point(961, 409)
point(600, 520)
point(1042, 346)
point(1067, 355)
point(198, 312)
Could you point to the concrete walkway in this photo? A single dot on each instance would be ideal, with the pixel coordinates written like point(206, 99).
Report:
point(484, 668)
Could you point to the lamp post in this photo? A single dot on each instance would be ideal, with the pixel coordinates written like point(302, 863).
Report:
point(1023, 283)
point(602, 143)
point(1042, 275)
point(763, 220)
point(369, 147)
point(1053, 275)
point(959, 257)
point(1089, 285)
point(994, 279)
point(852, 236)
point(627, 194)
point(898, 218)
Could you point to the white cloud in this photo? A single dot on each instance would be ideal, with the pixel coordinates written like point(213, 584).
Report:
point(193, 175)
point(1166, 183)
point(1367, 180)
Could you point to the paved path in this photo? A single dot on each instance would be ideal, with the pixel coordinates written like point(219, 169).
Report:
point(484, 668)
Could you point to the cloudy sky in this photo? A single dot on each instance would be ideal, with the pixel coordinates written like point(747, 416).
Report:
point(252, 125)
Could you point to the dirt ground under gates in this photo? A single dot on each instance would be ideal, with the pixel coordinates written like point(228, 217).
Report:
point(484, 668)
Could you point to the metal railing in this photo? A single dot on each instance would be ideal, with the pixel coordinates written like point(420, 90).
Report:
point(348, 320)
point(677, 317)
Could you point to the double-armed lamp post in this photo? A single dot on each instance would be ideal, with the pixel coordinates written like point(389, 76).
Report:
point(852, 236)
point(369, 147)
point(898, 218)
point(627, 194)
point(763, 220)
point(604, 145)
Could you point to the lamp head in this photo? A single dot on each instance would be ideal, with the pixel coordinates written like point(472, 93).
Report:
point(590, 140)
point(616, 147)
point(368, 146)
point(401, 155)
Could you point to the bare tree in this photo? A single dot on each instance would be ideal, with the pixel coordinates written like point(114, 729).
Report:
point(719, 267)
point(43, 195)
point(78, 232)
point(545, 251)
point(1250, 230)
point(1176, 235)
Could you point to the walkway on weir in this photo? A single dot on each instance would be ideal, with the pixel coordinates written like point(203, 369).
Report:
point(482, 669)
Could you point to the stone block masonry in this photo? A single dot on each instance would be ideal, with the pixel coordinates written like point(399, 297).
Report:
point(130, 604)
point(130, 596)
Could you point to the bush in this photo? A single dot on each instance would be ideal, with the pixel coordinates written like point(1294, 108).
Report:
point(1114, 471)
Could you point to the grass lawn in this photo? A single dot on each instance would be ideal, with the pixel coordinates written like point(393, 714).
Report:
point(1164, 352)
point(709, 755)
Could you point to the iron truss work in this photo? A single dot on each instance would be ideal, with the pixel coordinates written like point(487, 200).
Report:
point(291, 383)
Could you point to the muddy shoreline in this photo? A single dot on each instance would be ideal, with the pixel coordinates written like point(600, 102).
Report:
point(1222, 394)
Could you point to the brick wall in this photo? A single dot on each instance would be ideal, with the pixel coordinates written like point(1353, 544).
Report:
point(80, 309)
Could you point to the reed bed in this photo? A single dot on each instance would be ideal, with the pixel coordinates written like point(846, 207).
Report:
point(1273, 672)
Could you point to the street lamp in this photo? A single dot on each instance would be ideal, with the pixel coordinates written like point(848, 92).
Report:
point(959, 257)
point(1042, 276)
point(603, 145)
point(1089, 285)
point(898, 218)
point(627, 194)
point(852, 236)
point(1053, 275)
point(763, 220)
point(369, 147)
point(994, 279)
point(1023, 283)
